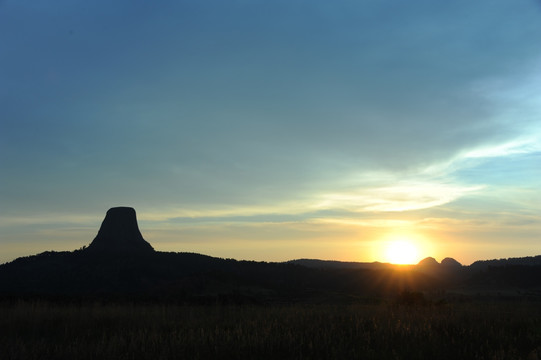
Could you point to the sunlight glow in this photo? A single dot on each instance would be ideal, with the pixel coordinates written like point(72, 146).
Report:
point(401, 252)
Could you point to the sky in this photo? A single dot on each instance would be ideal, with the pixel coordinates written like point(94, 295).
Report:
point(273, 130)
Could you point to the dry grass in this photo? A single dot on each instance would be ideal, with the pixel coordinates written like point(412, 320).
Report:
point(459, 331)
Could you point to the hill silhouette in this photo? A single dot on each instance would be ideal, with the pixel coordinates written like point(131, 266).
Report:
point(119, 233)
point(119, 264)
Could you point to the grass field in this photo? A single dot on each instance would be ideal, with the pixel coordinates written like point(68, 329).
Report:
point(39, 330)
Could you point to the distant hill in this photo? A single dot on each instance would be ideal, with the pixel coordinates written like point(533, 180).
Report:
point(187, 277)
point(333, 264)
point(450, 263)
point(119, 264)
point(428, 265)
point(525, 261)
point(119, 234)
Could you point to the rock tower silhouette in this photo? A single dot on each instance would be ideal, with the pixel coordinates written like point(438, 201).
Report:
point(119, 234)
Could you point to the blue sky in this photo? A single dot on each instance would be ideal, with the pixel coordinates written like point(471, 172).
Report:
point(273, 130)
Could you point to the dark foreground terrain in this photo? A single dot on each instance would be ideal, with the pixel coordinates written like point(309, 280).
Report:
point(43, 330)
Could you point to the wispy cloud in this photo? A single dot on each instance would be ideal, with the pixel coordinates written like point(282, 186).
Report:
point(514, 147)
point(400, 197)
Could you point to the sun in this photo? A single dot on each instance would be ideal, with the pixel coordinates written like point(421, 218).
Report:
point(401, 252)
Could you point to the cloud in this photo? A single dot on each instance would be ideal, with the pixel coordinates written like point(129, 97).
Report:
point(401, 196)
point(515, 147)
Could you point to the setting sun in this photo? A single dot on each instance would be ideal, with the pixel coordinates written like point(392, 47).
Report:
point(401, 252)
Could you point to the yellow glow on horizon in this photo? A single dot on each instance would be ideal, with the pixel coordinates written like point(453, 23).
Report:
point(402, 252)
